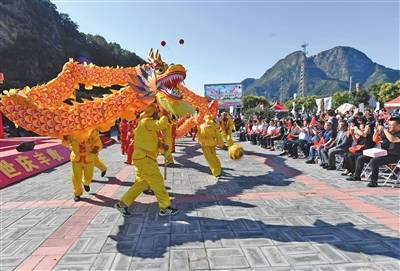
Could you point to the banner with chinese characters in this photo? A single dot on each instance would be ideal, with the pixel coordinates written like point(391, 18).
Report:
point(19, 166)
point(227, 94)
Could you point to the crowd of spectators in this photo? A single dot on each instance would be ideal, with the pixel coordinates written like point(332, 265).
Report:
point(321, 139)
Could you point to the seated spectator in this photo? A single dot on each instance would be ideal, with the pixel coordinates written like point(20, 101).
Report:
point(390, 141)
point(329, 143)
point(264, 134)
point(362, 139)
point(340, 146)
point(249, 130)
point(304, 141)
point(292, 136)
point(318, 139)
point(253, 133)
point(261, 129)
point(271, 131)
point(242, 131)
point(278, 135)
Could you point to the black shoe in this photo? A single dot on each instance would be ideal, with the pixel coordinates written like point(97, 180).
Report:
point(323, 165)
point(77, 198)
point(353, 178)
point(122, 208)
point(310, 162)
point(372, 184)
point(330, 168)
point(345, 173)
point(168, 211)
point(87, 188)
point(104, 173)
point(282, 153)
point(148, 192)
point(295, 157)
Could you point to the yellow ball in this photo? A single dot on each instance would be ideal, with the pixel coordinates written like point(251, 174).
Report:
point(235, 152)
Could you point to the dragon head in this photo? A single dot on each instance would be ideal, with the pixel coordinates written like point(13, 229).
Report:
point(163, 80)
point(165, 77)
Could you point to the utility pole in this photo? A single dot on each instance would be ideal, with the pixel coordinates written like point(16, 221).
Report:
point(302, 83)
point(282, 92)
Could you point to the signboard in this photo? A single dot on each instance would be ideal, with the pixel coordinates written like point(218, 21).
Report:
point(227, 95)
point(19, 166)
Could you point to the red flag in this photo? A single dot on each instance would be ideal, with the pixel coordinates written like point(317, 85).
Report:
point(313, 121)
point(1, 78)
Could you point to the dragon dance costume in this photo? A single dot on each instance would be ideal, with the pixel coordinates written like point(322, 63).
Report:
point(98, 163)
point(41, 109)
point(167, 137)
point(83, 156)
point(209, 137)
point(227, 126)
point(145, 161)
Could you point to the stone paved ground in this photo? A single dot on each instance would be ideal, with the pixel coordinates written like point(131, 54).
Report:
point(267, 213)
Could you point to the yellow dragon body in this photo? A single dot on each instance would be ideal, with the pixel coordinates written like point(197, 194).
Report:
point(41, 109)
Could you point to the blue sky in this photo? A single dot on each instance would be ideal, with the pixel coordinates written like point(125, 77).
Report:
point(226, 41)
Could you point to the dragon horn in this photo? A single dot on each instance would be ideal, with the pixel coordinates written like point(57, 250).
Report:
point(150, 55)
point(158, 57)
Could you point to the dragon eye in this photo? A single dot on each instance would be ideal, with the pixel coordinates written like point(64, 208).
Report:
point(160, 69)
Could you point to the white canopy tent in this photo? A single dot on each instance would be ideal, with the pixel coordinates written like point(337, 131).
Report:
point(345, 107)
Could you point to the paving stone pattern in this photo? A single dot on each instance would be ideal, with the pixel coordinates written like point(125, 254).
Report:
point(266, 213)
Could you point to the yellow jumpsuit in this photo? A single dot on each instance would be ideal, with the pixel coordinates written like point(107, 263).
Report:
point(82, 160)
point(145, 161)
point(97, 162)
point(167, 132)
point(227, 126)
point(209, 137)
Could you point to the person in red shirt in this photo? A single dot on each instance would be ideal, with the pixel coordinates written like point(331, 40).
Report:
point(123, 132)
point(131, 139)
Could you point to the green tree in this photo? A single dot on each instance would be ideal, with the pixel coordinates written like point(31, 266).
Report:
point(360, 97)
point(254, 101)
point(340, 98)
point(374, 90)
point(309, 103)
point(389, 91)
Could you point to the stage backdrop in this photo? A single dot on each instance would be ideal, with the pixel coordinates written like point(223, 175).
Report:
point(228, 95)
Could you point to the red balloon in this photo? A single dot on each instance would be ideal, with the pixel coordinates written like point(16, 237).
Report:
point(163, 43)
point(181, 41)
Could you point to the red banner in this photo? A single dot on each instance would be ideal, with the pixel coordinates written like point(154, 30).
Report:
point(19, 166)
point(1, 126)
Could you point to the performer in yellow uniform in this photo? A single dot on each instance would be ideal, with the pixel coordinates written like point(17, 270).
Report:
point(95, 136)
point(145, 161)
point(83, 155)
point(227, 126)
point(209, 137)
point(166, 122)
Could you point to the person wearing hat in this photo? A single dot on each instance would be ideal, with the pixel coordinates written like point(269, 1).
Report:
point(227, 126)
point(146, 148)
point(209, 137)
